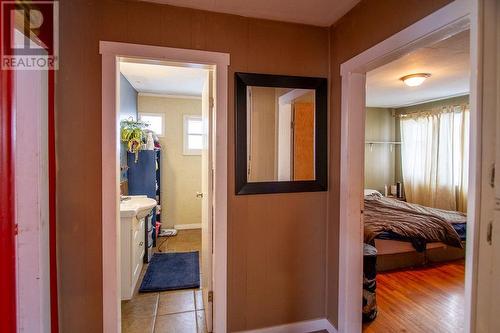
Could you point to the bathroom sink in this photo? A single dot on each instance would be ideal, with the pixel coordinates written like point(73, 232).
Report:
point(136, 205)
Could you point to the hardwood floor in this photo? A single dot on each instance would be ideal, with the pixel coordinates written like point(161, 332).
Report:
point(428, 299)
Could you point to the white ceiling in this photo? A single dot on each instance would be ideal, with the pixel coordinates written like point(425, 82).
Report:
point(448, 63)
point(314, 12)
point(164, 80)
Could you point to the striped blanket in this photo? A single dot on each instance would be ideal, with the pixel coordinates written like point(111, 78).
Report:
point(410, 220)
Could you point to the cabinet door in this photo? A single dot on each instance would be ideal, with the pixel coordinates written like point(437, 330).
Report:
point(137, 250)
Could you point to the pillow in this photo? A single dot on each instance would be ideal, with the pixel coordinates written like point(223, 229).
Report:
point(372, 192)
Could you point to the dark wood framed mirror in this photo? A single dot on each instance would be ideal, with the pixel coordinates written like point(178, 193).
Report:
point(281, 133)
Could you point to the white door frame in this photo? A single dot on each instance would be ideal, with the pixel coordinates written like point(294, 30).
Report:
point(441, 24)
point(110, 52)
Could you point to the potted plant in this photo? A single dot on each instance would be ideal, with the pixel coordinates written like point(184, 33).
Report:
point(132, 134)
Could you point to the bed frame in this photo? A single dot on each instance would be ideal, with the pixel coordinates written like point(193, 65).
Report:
point(392, 254)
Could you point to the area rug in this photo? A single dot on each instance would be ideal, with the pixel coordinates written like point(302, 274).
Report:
point(171, 271)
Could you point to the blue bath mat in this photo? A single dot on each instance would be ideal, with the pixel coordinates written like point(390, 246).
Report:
point(171, 271)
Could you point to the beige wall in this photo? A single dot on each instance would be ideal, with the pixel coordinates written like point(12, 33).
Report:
point(431, 105)
point(276, 243)
point(180, 174)
point(354, 33)
point(380, 161)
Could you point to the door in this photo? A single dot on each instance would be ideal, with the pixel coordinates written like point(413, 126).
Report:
point(27, 196)
point(486, 307)
point(493, 228)
point(207, 199)
point(303, 141)
point(31, 181)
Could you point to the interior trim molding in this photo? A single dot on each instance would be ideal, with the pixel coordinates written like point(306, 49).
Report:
point(187, 226)
point(298, 327)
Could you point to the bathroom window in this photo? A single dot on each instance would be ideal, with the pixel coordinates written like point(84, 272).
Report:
point(193, 135)
point(156, 122)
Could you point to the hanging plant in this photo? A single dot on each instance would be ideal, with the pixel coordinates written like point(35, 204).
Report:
point(132, 133)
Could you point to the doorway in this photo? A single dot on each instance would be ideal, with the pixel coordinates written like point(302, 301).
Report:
point(165, 116)
point(447, 21)
point(417, 134)
point(214, 151)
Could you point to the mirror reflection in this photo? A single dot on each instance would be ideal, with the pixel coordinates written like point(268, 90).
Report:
point(280, 134)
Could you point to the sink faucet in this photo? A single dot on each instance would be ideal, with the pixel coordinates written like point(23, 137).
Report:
point(124, 198)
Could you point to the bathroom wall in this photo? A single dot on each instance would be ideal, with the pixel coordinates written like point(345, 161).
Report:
point(180, 174)
point(380, 160)
point(128, 109)
point(128, 99)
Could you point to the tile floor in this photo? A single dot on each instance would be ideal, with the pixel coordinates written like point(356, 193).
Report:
point(170, 311)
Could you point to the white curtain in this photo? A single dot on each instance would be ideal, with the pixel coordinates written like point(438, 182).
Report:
point(435, 157)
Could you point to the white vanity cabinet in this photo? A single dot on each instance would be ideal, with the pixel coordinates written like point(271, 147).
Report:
point(132, 236)
point(134, 211)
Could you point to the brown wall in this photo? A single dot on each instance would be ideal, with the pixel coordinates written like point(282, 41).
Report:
point(276, 243)
point(369, 23)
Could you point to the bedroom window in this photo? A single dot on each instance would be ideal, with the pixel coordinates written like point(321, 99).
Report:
point(193, 135)
point(435, 157)
point(156, 122)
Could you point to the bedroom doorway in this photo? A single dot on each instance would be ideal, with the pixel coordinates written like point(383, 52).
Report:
point(417, 135)
point(450, 20)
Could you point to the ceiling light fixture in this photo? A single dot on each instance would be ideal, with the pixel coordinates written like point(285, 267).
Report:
point(414, 80)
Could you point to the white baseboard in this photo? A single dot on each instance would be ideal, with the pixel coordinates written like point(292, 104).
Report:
point(187, 226)
point(329, 327)
point(299, 327)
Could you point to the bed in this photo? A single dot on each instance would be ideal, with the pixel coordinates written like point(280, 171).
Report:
point(407, 234)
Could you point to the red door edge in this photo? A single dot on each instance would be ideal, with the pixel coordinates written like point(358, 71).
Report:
point(54, 307)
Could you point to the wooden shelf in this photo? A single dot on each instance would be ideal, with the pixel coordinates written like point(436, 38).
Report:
point(391, 143)
point(382, 142)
